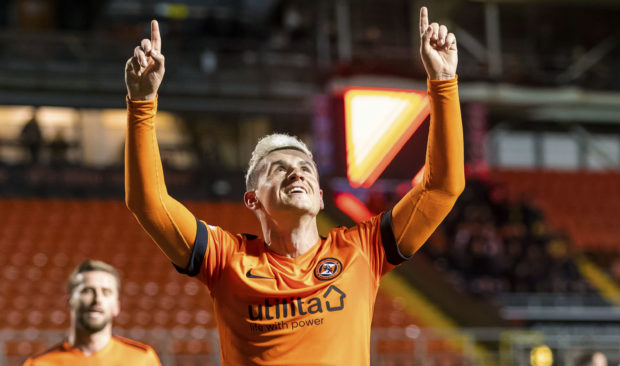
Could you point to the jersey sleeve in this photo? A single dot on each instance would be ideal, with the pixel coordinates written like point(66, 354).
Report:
point(422, 209)
point(211, 253)
point(166, 220)
point(375, 238)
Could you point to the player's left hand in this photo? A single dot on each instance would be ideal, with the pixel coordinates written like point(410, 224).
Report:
point(437, 48)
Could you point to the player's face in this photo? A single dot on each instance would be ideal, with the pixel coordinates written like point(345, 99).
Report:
point(289, 180)
point(599, 359)
point(94, 302)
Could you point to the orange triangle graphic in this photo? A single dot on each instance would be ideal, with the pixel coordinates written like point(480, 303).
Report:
point(378, 122)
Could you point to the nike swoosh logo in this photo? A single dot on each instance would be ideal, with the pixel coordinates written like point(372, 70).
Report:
point(250, 275)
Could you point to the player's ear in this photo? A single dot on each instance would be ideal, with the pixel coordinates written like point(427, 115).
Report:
point(322, 203)
point(71, 299)
point(250, 200)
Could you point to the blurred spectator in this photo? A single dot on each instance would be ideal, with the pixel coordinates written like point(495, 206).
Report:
point(31, 139)
point(36, 14)
point(58, 149)
point(592, 359)
point(291, 25)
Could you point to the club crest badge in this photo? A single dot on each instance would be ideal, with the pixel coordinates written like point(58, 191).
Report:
point(327, 269)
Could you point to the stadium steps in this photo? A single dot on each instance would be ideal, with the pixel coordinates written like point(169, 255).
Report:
point(464, 310)
point(606, 286)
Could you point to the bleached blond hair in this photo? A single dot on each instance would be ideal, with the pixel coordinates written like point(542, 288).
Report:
point(266, 145)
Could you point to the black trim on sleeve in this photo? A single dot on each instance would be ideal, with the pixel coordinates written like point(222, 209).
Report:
point(392, 253)
point(198, 253)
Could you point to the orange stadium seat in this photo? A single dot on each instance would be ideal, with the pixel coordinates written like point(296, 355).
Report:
point(191, 347)
point(23, 348)
point(395, 346)
point(583, 204)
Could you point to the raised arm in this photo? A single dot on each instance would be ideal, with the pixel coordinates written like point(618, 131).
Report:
point(421, 210)
point(167, 221)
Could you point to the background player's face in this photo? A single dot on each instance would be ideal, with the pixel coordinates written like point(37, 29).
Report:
point(94, 302)
point(599, 359)
point(289, 180)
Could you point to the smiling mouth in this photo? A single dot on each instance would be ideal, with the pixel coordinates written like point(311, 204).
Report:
point(296, 190)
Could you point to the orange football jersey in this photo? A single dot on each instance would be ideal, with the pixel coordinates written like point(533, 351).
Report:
point(313, 309)
point(119, 351)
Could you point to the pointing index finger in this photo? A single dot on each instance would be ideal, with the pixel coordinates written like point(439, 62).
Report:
point(155, 37)
point(423, 20)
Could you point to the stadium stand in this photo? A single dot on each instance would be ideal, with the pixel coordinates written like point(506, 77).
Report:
point(489, 245)
point(581, 204)
point(154, 297)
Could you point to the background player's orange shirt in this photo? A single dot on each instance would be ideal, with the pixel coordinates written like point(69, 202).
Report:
point(313, 309)
point(119, 351)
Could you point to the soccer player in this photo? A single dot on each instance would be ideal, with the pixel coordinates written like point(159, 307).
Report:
point(93, 290)
point(292, 297)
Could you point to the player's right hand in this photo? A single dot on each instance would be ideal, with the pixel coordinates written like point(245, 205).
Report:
point(437, 48)
point(144, 71)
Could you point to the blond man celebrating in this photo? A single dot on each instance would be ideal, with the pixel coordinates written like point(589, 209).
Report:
point(292, 297)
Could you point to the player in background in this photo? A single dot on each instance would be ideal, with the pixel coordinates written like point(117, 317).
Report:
point(293, 297)
point(93, 290)
point(592, 358)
